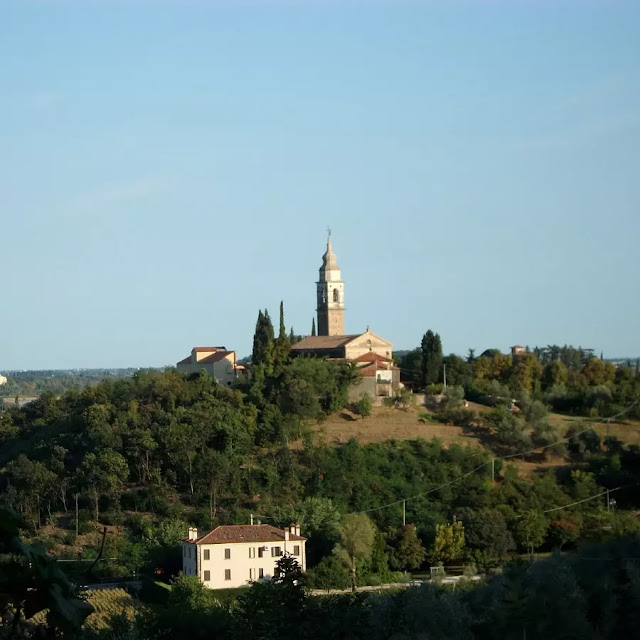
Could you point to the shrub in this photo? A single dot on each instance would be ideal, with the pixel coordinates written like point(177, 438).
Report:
point(330, 573)
point(460, 417)
point(85, 525)
point(362, 406)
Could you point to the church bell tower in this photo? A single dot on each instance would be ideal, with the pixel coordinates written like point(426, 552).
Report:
point(330, 290)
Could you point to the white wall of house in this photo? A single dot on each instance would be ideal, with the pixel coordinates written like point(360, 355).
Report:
point(237, 564)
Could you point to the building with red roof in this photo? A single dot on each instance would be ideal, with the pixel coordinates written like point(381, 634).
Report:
point(232, 556)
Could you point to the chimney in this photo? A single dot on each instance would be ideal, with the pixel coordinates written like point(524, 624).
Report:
point(286, 534)
point(298, 530)
point(193, 533)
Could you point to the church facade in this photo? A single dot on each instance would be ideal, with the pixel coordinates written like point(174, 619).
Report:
point(369, 352)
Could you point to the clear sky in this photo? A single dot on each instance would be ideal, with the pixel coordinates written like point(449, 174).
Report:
point(169, 167)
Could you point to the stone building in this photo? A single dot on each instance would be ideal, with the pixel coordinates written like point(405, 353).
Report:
point(219, 363)
point(370, 353)
point(330, 294)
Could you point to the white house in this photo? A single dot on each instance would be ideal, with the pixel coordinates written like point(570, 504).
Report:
point(236, 555)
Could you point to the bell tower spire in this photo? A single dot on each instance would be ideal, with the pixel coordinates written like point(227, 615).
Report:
point(330, 292)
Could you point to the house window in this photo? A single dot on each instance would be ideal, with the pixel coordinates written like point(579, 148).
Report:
point(189, 553)
point(227, 554)
point(252, 552)
point(260, 573)
point(227, 574)
point(207, 576)
point(184, 551)
point(276, 552)
point(250, 574)
point(336, 295)
point(207, 554)
point(296, 550)
point(260, 552)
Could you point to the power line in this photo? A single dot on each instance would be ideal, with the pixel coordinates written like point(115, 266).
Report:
point(466, 475)
point(447, 484)
point(424, 493)
point(566, 506)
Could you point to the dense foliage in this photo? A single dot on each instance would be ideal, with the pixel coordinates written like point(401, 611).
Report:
point(567, 379)
point(593, 594)
point(152, 454)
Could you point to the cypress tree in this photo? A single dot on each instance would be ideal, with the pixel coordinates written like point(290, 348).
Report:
point(313, 327)
point(283, 344)
point(263, 340)
point(431, 358)
point(282, 335)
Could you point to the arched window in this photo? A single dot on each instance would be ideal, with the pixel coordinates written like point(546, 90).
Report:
point(336, 295)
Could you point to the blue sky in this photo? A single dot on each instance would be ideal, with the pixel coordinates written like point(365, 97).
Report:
point(170, 167)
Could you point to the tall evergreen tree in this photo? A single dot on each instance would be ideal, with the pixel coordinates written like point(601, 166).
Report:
point(282, 344)
point(282, 334)
point(263, 340)
point(431, 358)
point(292, 336)
point(313, 327)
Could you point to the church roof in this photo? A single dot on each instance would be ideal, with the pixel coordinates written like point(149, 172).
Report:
point(323, 342)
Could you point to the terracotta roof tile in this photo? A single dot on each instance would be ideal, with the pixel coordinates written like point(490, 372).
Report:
point(187, 360)
point(243, 533)
point(323, 342)
point(209, 348)
point(371, 357)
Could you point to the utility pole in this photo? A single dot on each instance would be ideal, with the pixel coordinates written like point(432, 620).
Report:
point(252, 519)
point(404, 513)
point(493, 470)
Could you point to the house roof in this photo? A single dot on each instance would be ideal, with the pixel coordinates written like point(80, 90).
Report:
point(209, 349)
point(371, 357)
point(369, 371)
point(323, 342)
point(228, 534)
point(215, 357)
point(187, 360)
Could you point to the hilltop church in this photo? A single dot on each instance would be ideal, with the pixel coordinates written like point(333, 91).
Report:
point(368, 351)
